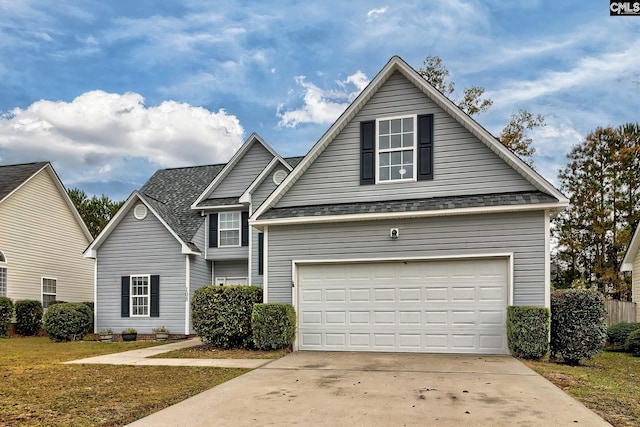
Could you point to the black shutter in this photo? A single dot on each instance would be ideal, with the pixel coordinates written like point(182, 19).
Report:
point(367, 152)
point(213, 230)
point(154, 310)
point(124, 297)
point(244, 229)
point(260, 254)
point(425, 147)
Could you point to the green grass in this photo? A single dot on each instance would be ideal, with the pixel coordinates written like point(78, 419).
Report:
point(36, 390)
point(207, 352)
point(609, 384)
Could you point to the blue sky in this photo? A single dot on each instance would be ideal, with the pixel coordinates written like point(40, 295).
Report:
point(111, 91)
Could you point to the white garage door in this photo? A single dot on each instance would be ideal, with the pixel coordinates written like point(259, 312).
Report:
point(453, 306)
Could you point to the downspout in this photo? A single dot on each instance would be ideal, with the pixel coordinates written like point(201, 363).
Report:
point(95, 295)
point(187, 314)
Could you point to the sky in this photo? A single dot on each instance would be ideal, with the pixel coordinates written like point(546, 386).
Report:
point(110, 91)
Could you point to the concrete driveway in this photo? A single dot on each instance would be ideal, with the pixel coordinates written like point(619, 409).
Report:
point(380, 389)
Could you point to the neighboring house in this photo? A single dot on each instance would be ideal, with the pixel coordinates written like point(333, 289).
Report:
point(42, 238)
point(407, 227)
point(184, 229)
point(631, 262)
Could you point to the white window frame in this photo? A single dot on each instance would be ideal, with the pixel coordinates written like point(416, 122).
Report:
point(43, 293)
point(3, 276)
point(414, 149)
point(220, 229)
point(231, 281)
point(147, 295)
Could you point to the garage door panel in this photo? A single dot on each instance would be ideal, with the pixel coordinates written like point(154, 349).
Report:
point(427, 306)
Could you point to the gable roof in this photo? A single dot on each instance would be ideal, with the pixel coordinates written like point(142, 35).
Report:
point(168, 194)
point(632, 251)
point(13, 177)
point(244, 149)
point(397, 64)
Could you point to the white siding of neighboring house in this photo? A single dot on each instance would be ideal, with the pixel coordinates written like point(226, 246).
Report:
point(141, 247)
point(636, 285)
point(462, 164)
point(244, 172)
point(522, 234)
point(40, 237)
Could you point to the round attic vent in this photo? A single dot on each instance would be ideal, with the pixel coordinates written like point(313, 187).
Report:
point(279, 176)
point(140, 211)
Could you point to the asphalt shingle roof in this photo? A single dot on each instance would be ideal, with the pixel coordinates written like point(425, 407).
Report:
point(170, 192)
point(12, 176)
point(414, 205)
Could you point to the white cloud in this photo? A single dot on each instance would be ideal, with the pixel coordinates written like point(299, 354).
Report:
point(323, 106)
point(98, 133)
point(374, 13)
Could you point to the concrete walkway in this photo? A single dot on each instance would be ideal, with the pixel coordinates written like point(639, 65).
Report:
point(141, 358)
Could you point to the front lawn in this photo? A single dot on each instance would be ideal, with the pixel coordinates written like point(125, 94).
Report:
point(207, 352)
point(35, 389)
point(609, 385)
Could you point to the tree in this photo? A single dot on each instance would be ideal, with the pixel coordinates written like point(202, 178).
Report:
point(96, 212)
point(594, 231)
point(513, 136)
point(437, 74)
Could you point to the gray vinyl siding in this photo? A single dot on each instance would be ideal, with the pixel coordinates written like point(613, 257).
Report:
point(240, 252)
point(463, 165)
point(200, 267)
point(256, 279)
point(236, 268)
point(141, 247)
point(244, 172)
point(263, 191)
point(522, 234)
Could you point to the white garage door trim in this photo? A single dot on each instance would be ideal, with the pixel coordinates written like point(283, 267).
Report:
point(297, 263)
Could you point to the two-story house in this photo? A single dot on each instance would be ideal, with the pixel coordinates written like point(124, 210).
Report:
point(184, 229)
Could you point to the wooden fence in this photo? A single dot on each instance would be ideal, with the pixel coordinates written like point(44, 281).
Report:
point(620, 311)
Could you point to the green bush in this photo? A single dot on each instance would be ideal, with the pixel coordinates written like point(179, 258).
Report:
point(221, 315)
point(6, 313)
point(67, 321)
point(273, 325)
point(617, 334)
point(632, 345)
point(28, 317)
point(578, 330)
point(528, 331)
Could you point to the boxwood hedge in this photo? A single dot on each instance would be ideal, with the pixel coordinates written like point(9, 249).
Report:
point(528, 331)
point(68, 321)
point(28, 317)
point(221, 315)
point(274, 326)
point(6, 313)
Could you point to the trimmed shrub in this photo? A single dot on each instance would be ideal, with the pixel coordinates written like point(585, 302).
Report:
point(68, 321)
point(578, 330)
point(56, 301)
point(6, 313)
point(273, 325)
point(632, 345)
point(221, 315)
point(28, 317)
point(528, 331)
point(617, 334)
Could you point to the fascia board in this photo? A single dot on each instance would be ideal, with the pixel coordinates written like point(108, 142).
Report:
point(632, 251)
point(404, 215)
